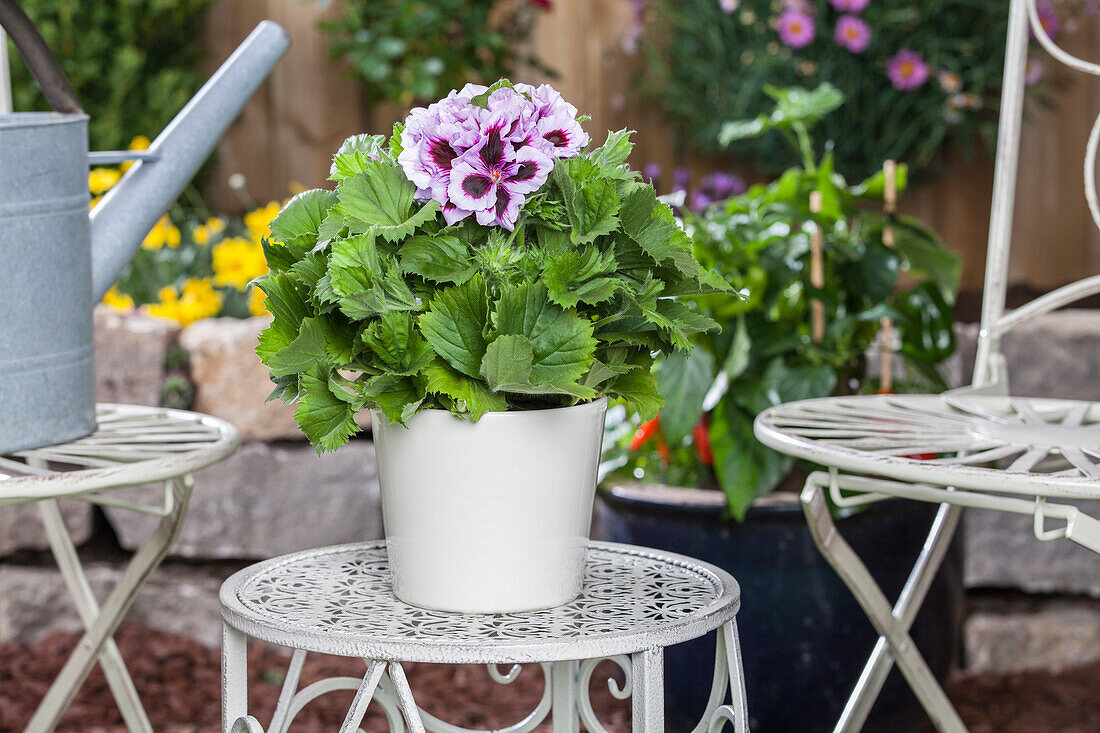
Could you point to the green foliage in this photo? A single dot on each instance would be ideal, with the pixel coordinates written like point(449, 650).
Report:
point(761, 243)
point(708, 66)
point(133, 63)
point(378, 303)
point(407, 51)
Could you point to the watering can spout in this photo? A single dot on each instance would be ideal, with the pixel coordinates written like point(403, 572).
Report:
point(121, 220)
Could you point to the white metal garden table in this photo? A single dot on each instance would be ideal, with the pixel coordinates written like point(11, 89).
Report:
point(132, 446)
point(978, 447)
point(338, 600)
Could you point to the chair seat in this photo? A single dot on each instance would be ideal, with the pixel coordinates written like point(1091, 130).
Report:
point(1016, 445)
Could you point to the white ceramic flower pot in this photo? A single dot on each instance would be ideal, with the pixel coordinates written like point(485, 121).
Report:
point(492, 516)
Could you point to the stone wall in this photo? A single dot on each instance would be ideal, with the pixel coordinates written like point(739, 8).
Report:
point(1033, 604)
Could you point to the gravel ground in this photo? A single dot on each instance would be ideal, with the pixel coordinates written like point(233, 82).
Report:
point(179, 681)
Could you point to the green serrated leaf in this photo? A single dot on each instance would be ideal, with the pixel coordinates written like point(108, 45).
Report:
point(456, 322)
point(615, 151)
point(439, 258)
point(324, 418)
point(299, 221)
point(591, 200)
point(575, 276)
point(562, 342)
point(367, 282)
point(507, 364)
point(307, 351)
point(354, 154)
point(471, 396)
point(380, 199)
point(398, 397)
point(638, 389)
point(398, 345)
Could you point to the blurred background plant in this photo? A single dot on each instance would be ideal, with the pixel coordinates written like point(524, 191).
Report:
point(766, 354)
point(917, 74)
point(408, 51)
point(192, 264)
point(134, 63)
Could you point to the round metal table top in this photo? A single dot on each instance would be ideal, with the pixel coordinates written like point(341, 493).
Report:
point(1037, 447)
point(131, 445)
point(337, 600)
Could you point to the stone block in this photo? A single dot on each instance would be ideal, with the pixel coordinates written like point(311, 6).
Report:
point(270, 499)
point(178, 599)
point(231, 382)
point(1002, 552)
point(21, 526)
point(1051, 637)
point(130, 354)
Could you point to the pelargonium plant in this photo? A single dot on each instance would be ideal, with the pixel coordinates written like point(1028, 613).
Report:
point(484, 258)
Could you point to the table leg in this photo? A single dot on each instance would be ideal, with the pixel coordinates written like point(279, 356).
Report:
point(563, 686)
point(120, 599)
point(118, 679)
point(405, 698)
point(234, 676)
point(648, 704)
point(859, 580)
point(363, 696)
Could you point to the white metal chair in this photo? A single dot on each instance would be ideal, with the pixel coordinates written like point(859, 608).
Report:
point(994, 451)
point(132, 446)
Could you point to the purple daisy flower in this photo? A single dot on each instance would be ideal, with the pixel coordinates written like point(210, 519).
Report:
point(491, 179)
point(850, 6)
point(1034, 71)
point(796, 29)
point(852, 33)
point(1048, 19)
point(907, 70)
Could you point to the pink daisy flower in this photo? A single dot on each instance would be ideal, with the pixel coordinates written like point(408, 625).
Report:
point(907, 70)
point(795, 29)
point(850, 6)
point(852, 33)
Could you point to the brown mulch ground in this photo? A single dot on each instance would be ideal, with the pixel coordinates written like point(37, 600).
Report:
point(180, 682)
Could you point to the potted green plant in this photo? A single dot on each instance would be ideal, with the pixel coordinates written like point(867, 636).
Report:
point(808, 638)
point(482, 282)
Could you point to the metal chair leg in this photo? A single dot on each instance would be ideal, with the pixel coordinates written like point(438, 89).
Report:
point(858, 579)
point(405, 698)
point(234, 680)
point(363, 696)
point(139, 569)
point(563, 687)
point(114, 669)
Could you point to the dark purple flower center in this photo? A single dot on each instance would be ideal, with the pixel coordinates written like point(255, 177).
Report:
point(442, 154)
point(492, 152)
point(476, 185)
point(558, 138)
point(525, 172)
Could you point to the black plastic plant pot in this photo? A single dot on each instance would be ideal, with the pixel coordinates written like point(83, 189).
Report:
point(804, 637)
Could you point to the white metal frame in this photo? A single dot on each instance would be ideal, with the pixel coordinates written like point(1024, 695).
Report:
point(1052, 446)
point(133, 446)
point(338, 601)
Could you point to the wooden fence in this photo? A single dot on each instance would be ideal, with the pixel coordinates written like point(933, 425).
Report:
point(288, 132)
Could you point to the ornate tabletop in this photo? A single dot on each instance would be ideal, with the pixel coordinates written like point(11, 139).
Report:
point(338, 600)
point(132, 445)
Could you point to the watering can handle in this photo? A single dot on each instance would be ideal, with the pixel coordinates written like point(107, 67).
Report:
point(41, 62)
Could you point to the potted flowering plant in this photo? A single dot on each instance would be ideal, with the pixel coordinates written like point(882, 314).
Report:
point(482, 282)
point(696, 481)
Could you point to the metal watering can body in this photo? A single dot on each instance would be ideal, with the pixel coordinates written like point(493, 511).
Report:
point(59, 260)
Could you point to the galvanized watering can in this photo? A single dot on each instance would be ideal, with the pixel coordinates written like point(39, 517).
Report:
point(57, 260)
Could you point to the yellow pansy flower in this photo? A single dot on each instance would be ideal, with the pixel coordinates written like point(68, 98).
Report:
point(118, 301)
point(100, 180)
point(259, 221)
point(198, 300)
point(257, 301)
point(164, 232)
point(237, 261)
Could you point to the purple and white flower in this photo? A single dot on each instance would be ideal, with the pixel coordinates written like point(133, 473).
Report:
point(852, 33)
point(484, 160)
point(850, 6)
